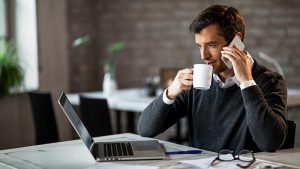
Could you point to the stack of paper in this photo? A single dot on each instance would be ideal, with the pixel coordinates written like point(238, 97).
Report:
point(205, 163)
point(112, 165)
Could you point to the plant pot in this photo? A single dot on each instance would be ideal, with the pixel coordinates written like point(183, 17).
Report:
point(109, 84)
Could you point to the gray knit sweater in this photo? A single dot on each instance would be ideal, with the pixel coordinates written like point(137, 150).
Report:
point(254, 118)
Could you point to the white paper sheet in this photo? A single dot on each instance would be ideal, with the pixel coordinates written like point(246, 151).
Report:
point(204, 163)
point(112, 165)
point(4, 166)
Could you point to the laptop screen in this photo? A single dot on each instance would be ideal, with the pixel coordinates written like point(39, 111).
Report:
point(75, 121)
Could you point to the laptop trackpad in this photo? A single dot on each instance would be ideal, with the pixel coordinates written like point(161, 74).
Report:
point(146, 146)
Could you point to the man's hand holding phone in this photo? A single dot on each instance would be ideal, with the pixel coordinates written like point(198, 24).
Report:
point(236, 41)
point(234, 57)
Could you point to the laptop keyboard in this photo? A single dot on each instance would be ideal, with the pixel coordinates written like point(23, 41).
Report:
point(117, 149)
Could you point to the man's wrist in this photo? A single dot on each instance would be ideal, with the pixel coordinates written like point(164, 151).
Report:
point(247, 84)
point(166, 99)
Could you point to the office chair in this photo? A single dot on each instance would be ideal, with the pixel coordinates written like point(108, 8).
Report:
point(95, 116)
point(290, 141)
point(43, 116)
point(167, 76)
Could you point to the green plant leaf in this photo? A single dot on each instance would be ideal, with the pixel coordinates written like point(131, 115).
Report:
point(82, 41)
point(116, 47)
point(11, 73)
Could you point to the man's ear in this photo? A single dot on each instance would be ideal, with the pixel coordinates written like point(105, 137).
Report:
point(240, 35)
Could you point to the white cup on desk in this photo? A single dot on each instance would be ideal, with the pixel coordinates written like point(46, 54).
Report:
point(202, 75)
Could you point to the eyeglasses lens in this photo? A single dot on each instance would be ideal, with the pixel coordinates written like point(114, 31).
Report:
point(226, 155)
point(245, 155)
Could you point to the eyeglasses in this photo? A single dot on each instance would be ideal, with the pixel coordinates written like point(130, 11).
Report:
point(227, 155)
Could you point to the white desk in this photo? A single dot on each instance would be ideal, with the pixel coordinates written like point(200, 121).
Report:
point(287, 156)
point(74, 155)
point(132, 100)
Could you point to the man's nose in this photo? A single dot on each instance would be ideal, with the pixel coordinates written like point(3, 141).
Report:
point(204, 54)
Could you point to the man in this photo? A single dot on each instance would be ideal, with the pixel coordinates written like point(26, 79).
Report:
point(245, 108)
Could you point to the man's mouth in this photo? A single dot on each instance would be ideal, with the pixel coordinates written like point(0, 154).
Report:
point(209, 62)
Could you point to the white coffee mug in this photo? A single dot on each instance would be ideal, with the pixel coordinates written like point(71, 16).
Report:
point(202, 75)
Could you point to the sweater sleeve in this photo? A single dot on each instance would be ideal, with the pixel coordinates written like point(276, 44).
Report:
point(266, 112)
point(159, 116)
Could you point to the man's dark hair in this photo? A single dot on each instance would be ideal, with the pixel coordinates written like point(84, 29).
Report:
point(228, 19)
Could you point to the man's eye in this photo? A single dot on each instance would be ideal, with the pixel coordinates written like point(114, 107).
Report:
point(212, 45)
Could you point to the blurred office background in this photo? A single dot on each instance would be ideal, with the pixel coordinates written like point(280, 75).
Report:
point(155, 36)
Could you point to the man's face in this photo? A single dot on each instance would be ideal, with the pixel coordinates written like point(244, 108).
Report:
point(210, 43)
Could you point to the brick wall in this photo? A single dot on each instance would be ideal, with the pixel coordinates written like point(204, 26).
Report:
point(84, 59)
point(156, 35)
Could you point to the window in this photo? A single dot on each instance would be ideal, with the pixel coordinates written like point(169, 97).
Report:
point(2, 20)
point(26, 40)
point(25, 28)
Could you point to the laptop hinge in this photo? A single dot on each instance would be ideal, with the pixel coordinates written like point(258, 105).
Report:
point(94, 150)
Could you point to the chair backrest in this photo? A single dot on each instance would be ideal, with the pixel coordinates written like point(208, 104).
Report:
point(95, 116)
point(290, 141)
point(167, 76)
point(44, 117)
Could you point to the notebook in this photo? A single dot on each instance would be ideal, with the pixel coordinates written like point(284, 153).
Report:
point(110, 151)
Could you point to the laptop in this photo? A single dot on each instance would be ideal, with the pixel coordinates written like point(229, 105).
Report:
point(111, 151)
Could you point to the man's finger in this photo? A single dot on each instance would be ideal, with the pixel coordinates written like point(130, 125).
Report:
point(187, 70)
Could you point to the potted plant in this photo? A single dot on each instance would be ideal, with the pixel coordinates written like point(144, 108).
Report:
point(109, 81)
point(11, 72)
point(109, 62)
